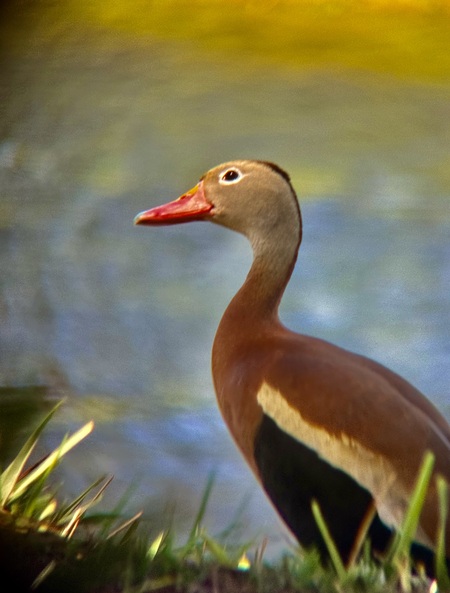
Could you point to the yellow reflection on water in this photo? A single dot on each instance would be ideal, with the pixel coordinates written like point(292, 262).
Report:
point(406, 38)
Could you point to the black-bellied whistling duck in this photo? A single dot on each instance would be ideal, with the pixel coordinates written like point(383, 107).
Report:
point(313, 421)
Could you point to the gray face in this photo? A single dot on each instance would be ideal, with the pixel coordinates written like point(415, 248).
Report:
point(250, 197)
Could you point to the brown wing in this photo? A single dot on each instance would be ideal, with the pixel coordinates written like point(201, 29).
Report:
point(360, 417)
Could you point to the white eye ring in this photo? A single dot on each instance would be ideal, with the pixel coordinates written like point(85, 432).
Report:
point(229, 176)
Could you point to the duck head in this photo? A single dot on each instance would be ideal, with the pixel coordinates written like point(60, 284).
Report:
point(250, 197)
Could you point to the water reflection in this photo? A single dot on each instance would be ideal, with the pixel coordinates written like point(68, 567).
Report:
point(122, 319)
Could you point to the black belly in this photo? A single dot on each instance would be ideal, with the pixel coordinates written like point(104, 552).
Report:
point(293, 475)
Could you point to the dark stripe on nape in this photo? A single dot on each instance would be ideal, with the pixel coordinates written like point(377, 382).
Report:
point(286, 178)
point(277, 169)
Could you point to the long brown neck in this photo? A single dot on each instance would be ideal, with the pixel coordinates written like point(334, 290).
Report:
point(254, 309)
point(258, 299)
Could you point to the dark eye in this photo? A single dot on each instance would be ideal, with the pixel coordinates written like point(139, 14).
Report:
point(230, 176)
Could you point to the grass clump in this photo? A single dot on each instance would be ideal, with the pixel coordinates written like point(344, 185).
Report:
point(50, 547)
point(43, 542)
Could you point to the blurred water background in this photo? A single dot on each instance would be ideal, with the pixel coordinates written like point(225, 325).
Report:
point(107, 109)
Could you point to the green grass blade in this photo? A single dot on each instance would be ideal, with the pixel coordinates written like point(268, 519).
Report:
point(49, 461)
point(127, 527)
point(156, 545)
point(400, 547)
point(219, 552)
point(10, 476)
point(106, 520)
point(201, 511)
point(43, 574)
point(69, 509)
point(331, 546)
point(441, 564)
point(48, 510)
point(362, 534)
